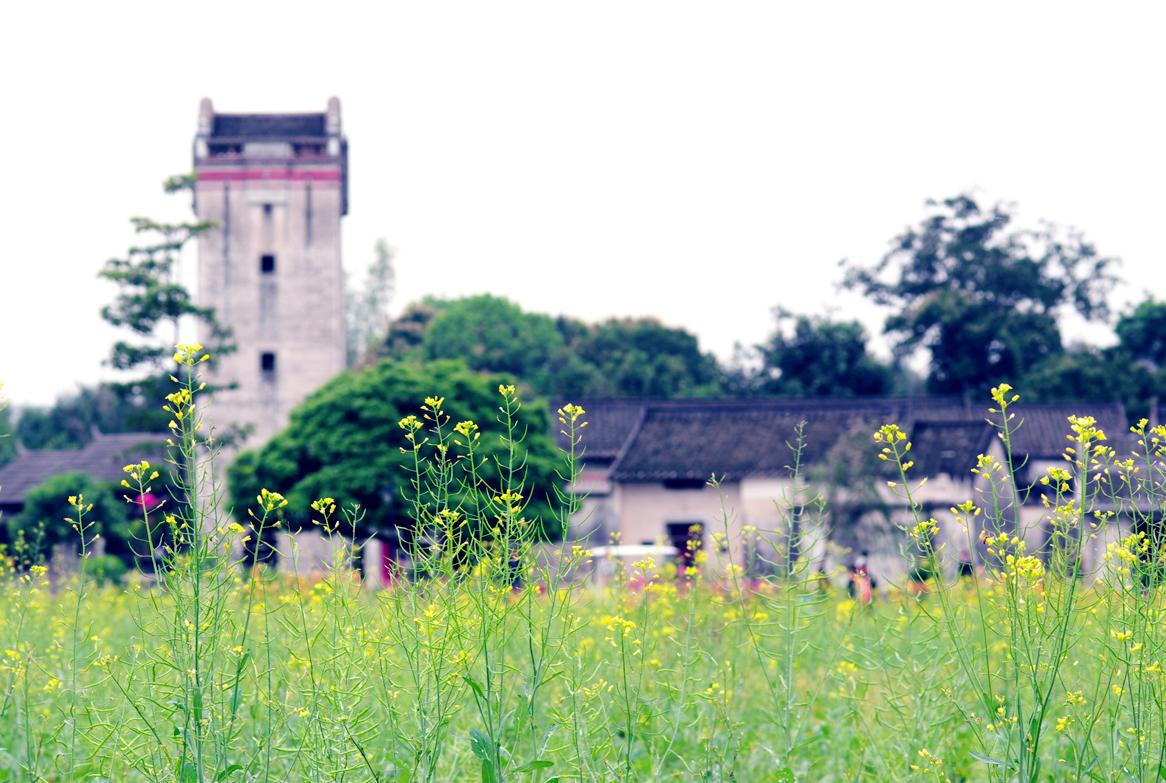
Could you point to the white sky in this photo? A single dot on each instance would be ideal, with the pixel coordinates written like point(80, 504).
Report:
point(697, 162)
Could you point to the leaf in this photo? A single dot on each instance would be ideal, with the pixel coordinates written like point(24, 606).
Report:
point(987, 759)
point(481, 745)
point(784, 775)
point(226, 773)
point(187, 772)
point(531, 766)
point(483, 748)
point(476, 688)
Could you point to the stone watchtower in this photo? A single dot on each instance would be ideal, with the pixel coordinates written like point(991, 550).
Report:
point(276, 185)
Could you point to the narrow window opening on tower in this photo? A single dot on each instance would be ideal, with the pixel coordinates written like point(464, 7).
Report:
point(267, 364)
point(308, 211)
point(267, 264)
point(267, 209)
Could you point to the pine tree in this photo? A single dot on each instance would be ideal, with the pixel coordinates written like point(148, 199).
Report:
point(151, 301)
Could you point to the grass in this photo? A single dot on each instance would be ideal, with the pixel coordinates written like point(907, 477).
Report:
point(659, 684)
point(223, 670)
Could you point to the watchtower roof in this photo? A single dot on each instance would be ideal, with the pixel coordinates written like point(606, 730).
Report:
point(267, 127)
point(267, 147)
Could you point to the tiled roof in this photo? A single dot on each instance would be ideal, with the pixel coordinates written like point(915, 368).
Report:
point(1043, 429)
point(103, 459)
point(610, 424)
point(692, 439)
point(948, 447)
point(654, 440)
point(268, 126)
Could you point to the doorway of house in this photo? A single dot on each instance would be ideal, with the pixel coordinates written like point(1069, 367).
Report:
point(688, 539)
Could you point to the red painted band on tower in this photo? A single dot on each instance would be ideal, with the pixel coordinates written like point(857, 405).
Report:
point(237, 175)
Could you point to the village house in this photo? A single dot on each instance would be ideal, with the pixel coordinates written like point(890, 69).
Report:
point(671, 472)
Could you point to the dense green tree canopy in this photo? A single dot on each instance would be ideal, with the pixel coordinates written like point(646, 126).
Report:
point(1085, 372)
point(818, 357)
point(556, 357)
point(8, 439)
point(981, 295)
point(1141, 332)
point(345, 442)
point(492, 334)
point(406, 332)
point(641, 357)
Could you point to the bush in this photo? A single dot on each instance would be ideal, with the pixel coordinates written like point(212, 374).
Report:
point(345, 442)
point(106, 569)
point(41, 523)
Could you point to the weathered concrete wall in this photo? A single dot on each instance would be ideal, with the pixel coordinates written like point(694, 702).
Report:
point(309, 553)
point(295, 312)
point(644, 510)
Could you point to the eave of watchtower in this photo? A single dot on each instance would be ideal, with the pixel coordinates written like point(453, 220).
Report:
point(287, 148)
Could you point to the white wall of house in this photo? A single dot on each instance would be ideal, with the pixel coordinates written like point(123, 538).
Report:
point(596, 518)
point(765, 501)
point(644, 511)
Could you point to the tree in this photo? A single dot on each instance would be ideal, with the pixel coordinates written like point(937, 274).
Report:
point(558, 357)
point(981, 295)
point(1086, 372)
point(406, 332)
point(492, 334)
point(73, 419)
point(368, 310)
point(818, 357)
point(344, 441)
point(1132, 371)
point(1141, 332)
point(68, 424)
point(150, 297)
point(150, 303)
point(641, 357)
point(7, 435)
point(41, 523)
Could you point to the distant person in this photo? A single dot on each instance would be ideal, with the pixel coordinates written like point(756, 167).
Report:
point(965, 568)
point(862, 584)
